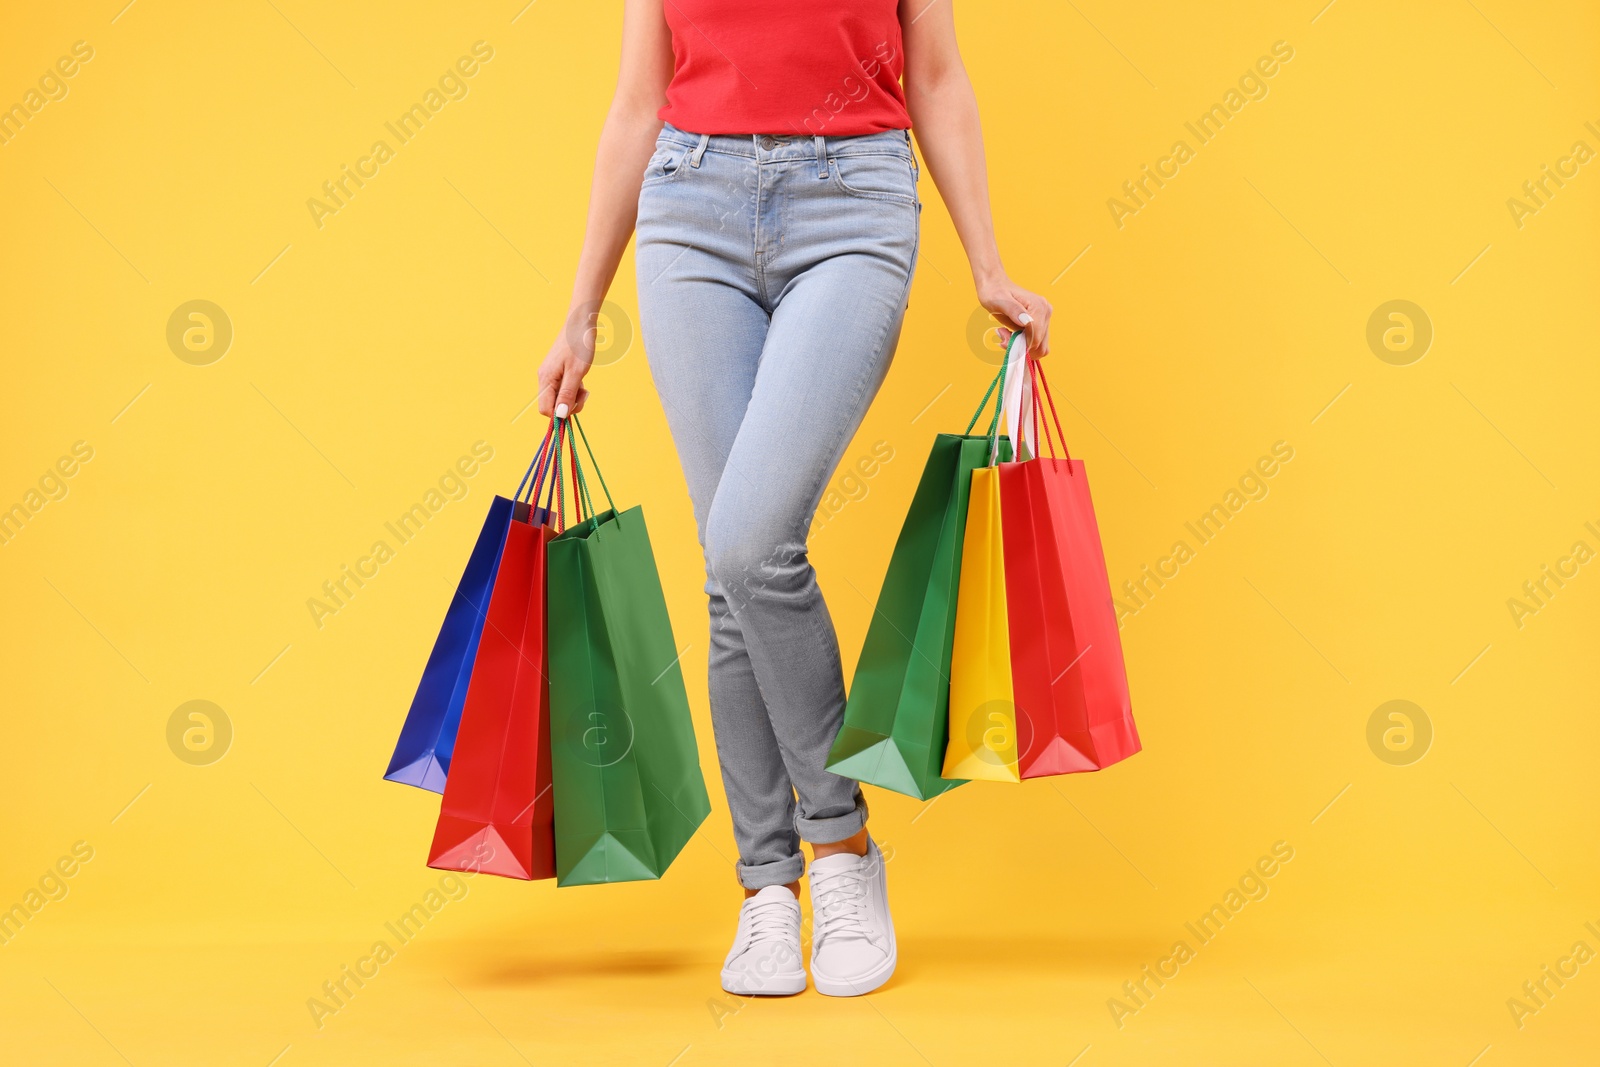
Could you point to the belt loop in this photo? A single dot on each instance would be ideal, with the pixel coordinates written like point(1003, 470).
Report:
point(699, 151)
point(822, 157)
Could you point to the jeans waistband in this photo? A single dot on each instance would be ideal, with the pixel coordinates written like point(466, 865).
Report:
point(782, 146)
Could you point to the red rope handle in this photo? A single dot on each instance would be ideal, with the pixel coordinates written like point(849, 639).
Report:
point(1039, 432)
point(1039, 372)
point(545, 452)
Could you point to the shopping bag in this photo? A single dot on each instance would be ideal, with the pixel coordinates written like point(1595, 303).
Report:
point(1067, 669)
point(896, 718)
point(983, 715)
point(629, 792)
point(422, 755)
point(984, 718)
point(497, 812)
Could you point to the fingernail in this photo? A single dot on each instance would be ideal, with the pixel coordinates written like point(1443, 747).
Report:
point(1025, 318)
point(561, 411)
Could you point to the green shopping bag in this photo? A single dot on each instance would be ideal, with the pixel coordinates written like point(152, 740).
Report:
point(897, 716)
point(625, 768)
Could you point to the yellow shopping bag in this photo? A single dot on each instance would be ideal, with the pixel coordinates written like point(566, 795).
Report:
point(983, 717)
point(983, 710)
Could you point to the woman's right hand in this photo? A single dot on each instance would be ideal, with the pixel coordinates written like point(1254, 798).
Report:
point(561, 390)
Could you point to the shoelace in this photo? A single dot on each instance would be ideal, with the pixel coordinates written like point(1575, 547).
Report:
point(841, 904)
point(772, 921)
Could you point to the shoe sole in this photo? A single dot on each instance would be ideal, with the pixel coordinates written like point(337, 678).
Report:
point(782, 985)
point(845, 987)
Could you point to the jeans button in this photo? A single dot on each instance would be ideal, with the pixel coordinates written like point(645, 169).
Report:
point(769, 143)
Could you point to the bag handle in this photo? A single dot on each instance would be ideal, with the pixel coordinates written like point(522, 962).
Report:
point(580, 493)
point(546, 463)
point(1017, 397)
point(1038, 372)
point(993, 383)
point(993, 455)
point(544, 478)
point(537, 458)
point(1021, 403)
point(996, 389)
point(596, 465)
point(1006, 372)
point(555, 495)
point(544, 475)
point(1013, 392)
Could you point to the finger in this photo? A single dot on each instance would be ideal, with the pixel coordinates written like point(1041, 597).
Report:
point(1029, 324)
point(1029, 319)
point(547, 397)
point(1041, 328)
point(583, 398)
point(1011, 311)
point(567, 395)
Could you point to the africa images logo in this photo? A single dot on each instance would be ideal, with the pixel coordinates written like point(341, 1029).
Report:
point(601, 736)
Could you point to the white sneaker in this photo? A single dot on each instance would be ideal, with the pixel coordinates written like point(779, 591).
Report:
point(765, 958)
point(852, 936)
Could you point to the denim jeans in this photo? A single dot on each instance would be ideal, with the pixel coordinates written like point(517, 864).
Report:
point(773, 276)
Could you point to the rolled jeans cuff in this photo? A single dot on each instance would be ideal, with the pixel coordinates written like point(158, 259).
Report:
point(778, 872)
point(837, 828)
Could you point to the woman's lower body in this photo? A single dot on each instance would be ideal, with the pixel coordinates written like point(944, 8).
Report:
point(773, 274)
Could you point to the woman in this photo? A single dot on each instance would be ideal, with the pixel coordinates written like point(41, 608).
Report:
point(761, 149)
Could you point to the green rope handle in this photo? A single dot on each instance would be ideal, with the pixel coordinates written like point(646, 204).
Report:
point(582, 487)
point(595, 464)
point(996, 380)
point(993, 448)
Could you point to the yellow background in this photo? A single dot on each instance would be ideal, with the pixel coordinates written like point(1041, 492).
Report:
point(1225, 316)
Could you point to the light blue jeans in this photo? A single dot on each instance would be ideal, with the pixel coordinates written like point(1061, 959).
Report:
point(773, 276)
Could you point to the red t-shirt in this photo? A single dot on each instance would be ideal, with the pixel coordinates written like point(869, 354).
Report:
point(788, 67)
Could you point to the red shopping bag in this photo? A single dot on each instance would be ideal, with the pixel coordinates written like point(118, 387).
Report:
point(498, 814)
point(1070, 683)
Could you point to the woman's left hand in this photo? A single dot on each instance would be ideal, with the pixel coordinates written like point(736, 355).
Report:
point(1019, 309)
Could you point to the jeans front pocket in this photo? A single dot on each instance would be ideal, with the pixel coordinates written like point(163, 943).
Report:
point(875, 176)
point(666, 164)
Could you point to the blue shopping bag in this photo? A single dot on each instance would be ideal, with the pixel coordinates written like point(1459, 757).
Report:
point(422, 755)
